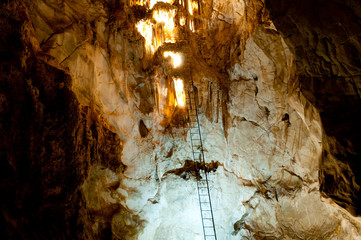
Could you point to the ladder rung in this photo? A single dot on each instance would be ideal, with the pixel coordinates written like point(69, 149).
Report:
point(207, 214)
point(202, 183)
point(206, 206)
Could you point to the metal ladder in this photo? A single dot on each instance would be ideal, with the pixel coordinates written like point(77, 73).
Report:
point(209, 230)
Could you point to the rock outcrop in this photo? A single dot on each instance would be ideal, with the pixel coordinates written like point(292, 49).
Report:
point(325, 38)
point(49, 144)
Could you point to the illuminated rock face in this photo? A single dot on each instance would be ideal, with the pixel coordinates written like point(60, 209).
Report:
point(134, 176)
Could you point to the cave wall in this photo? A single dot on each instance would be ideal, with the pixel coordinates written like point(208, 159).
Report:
point(49, 145)
point(325, 38)
point(113, 161)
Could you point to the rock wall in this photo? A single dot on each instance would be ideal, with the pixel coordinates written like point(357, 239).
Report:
point(325, 38)
point(50, 144)
point(106, 148)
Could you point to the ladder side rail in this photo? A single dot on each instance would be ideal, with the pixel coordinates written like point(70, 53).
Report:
point(205, 168)
point(199, 200)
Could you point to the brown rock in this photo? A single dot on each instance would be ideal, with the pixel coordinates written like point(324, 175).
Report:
point(325, 37)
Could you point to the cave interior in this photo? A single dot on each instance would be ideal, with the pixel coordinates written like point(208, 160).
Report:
point(180, 119)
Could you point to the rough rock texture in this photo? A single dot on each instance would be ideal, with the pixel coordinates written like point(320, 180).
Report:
point(325, 37)
point(81, 78)
point(49, 143)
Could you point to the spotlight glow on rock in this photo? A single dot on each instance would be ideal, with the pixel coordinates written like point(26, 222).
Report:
point(153, 2)
point(179, 89)
point(182, 21)
point(145, 29)
point(167, 19)
point(176, 58)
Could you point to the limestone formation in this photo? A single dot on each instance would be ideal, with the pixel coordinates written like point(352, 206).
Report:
point(94, 136)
